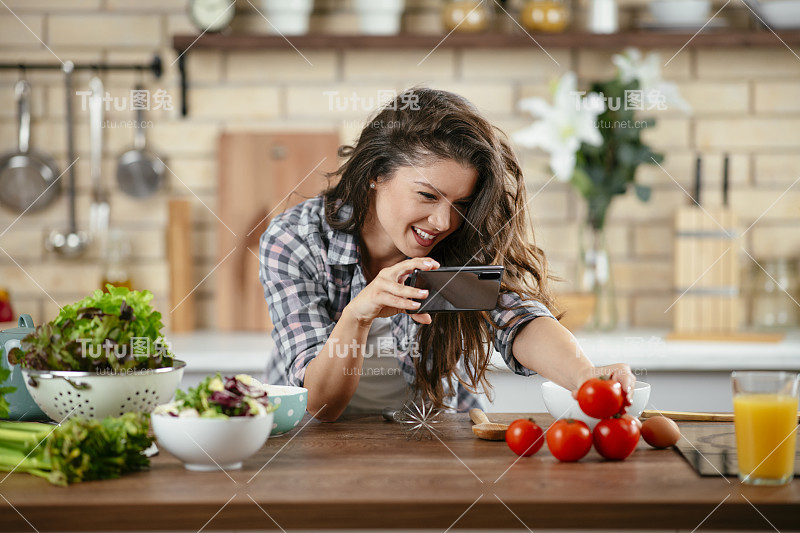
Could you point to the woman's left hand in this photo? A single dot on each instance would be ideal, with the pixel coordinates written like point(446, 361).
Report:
point(618, 371)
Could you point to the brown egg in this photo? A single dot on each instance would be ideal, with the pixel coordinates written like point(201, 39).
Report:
point(660, 432)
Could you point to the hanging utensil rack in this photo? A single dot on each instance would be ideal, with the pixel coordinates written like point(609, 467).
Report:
point(155, 66)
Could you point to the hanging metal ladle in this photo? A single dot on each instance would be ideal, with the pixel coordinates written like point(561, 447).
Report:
point(71, 243)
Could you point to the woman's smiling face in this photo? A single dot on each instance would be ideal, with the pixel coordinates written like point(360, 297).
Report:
point(418, 207)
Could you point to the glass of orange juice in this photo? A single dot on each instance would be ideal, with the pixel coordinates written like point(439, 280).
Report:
point(765, 417)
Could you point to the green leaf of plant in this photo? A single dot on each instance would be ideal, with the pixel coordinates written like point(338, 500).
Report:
point(582, 182)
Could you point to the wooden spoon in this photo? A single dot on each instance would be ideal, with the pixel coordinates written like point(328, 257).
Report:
point(701, 417)
point(484, 429)
point(682, 415)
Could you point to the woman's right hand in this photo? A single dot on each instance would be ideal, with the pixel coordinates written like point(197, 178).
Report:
point(386, 295)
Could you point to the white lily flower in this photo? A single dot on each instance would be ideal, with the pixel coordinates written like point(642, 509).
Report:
point(647, 70)
point(570, 121)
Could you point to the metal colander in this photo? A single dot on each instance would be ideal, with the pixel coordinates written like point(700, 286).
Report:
point(62, 394)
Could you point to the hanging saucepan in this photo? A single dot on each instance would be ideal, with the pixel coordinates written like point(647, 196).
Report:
point(139, 173)
point(28, 178)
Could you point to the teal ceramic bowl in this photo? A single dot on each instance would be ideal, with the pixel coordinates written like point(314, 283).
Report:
point(291, 402)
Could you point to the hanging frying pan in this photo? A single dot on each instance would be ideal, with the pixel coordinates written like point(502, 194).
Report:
point(28, 178)
point(139, 173)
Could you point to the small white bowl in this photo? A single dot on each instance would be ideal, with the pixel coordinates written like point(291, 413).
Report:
point(379, 17)
point(561, 404)
point(781, 14)
point(681, 12)
point(288, 17)
point(206, 444)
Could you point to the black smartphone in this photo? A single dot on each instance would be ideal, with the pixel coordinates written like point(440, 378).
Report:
point(452, 289)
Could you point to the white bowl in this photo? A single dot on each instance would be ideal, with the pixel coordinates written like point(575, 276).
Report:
point(288, 17)
point(206, 444)
point(561, 404)
point(681, 12)
point(379, 17)
point(781, 14)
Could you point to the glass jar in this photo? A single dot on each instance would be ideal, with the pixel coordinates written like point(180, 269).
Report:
point(6, 312)
point(774, 294)
point(550, 16)
point(465, 16)
point(115, 263)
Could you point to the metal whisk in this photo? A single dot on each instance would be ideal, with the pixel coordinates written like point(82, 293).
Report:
point(418, 419)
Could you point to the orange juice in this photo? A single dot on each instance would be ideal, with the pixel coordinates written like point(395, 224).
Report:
point(766, 435)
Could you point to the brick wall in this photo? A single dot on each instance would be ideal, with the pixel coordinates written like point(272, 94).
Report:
point(746, 102)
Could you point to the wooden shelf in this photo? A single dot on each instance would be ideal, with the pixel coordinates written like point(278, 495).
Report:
point(640, 39)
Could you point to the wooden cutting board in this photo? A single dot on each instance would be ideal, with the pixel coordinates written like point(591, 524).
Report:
point(260, 176)
point(181, 280)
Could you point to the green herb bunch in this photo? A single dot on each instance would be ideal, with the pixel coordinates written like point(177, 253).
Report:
point(98, 334)
point(77, 450)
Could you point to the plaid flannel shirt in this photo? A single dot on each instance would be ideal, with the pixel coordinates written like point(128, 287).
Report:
point(310, 272)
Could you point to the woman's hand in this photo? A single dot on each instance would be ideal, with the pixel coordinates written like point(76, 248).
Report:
point(386, 295)
point(618, 371)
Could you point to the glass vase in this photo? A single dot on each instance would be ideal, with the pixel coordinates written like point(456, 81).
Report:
point(595, 276)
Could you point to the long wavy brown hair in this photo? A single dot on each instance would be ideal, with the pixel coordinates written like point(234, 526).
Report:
point(419, 127)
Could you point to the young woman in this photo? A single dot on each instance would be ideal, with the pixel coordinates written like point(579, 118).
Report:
point(429, 183)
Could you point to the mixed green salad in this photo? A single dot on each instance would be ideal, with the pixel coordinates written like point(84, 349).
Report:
point(112, 331)
point(217, 397)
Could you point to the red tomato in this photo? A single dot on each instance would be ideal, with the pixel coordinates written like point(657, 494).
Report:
point(569, 440)
point(616, 438)
point(524, 437)
point(601, 397)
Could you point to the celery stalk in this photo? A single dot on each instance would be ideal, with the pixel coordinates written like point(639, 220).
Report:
point(77, 450)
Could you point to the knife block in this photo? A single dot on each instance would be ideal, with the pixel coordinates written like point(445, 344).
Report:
point(707, 274)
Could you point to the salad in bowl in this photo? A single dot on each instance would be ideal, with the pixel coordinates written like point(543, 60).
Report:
point(217, 424)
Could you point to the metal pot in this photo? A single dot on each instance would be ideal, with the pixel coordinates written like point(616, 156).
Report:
point(140, 173)
point(28, 178)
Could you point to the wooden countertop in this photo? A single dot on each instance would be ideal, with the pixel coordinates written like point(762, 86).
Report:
point(362, 472)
